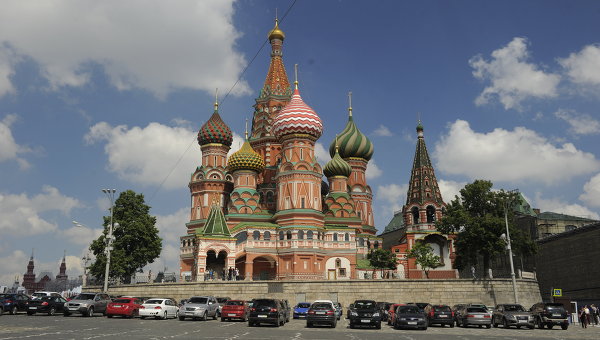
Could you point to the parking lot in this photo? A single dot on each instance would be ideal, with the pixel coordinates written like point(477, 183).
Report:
point(58, 327)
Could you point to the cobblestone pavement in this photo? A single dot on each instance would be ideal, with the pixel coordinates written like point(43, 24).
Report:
point(58, 327)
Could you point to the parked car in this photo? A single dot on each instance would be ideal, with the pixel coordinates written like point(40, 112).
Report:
point(392, 313)
point(235, 309)
point(475, 316)
point(127, 307)
point(439, 314)
point(46, 304)
point(321, 313)
point(14, 303)
point(221, 301)
point(200, 307)
point(549, 315)
point(38, 295)
point(409, 316)
point(365, 312)
point(87, 304)
point(266, 311)
point(512, 315)
point(301, 309)
point(159, 308)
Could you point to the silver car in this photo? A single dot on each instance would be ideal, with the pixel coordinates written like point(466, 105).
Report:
point(478, 316)
point(199, 307)
point(512, 315)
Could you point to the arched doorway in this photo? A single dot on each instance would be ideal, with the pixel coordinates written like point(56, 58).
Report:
point(264, 268)
point(216, 263)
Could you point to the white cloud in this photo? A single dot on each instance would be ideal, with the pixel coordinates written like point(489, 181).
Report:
point(9, 149)
point(383, 131)
point(502, 155)
point(15, 265)
point(583, 67)
point(8, 60)
point(322, 154)
point(391, 197)
point(170, 227)
point(82, 236)
point(147, 155)
point(21, 214)
point(373, 171)
point(591, 192)
point(581, 124)
point(558, 206)
point(512, 79)
point(449, 189)
point(155, 45)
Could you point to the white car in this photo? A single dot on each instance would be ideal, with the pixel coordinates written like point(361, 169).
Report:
point(38, 295)
point(159, 308)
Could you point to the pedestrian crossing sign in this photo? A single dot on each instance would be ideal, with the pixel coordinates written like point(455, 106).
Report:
point(557, 292)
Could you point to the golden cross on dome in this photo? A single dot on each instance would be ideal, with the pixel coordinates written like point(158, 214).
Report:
point(350, 103)
point(246, 132)
point(296, 75)
point(337, 146)
point(216, 98)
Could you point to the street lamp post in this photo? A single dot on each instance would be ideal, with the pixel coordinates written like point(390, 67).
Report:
point(111, 196)
point(85, 259)
point(508, 246)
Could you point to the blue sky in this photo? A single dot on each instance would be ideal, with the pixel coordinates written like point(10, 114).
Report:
point(111, 94)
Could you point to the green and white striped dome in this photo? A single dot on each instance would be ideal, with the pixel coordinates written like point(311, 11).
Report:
point(352, 143)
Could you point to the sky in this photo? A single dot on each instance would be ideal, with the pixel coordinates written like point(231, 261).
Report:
point(111, 94)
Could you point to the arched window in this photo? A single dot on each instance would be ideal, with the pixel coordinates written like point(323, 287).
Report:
point(301, 234)
point(281, 235)
point(256, 235)
point(289, 234)
point(430, 214)
point(415, 214)
point(361, 242)
point(346, 237)
point(338, 263)
point(241, 237)
point(335, 237)
point(269, 196)
point(309, 235)
point(267, 236)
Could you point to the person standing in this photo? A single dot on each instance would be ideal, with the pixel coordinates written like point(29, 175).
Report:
point(582, 318)
point(237, 274)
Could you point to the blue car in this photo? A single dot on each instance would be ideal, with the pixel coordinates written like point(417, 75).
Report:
point(301, 309)
point(14, 303)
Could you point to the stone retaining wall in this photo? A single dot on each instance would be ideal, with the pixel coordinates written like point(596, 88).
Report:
point(450, 292)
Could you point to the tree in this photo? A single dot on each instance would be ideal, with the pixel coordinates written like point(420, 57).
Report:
point(136, 241)
point(424, 256)
point(382, 259)
point(477, 216)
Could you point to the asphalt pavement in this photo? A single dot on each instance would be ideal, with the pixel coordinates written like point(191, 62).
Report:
point(22, 326)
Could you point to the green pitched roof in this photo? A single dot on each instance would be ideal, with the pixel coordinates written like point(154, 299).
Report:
point(523, 207)
point(215, 223)
point(548, 215)
point(397, 222)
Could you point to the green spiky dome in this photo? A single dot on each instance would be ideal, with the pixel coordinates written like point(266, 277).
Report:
point(352, 143)
point(246, 159)
point(215, 131)
point(337, 167)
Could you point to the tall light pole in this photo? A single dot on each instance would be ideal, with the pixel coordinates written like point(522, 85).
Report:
point(111, 196)
point(508, 246)
point(85, 260)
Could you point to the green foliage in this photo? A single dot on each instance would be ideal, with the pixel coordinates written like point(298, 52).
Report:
point(382, 259)
point(477, 216)
point(424, 256)
point(136, 241)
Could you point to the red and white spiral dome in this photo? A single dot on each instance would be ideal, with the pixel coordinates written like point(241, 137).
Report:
point(297, 117)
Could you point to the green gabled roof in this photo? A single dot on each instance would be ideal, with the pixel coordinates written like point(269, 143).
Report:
point(215, 223)
point(523, 207)
point(244, 225)
point(548, 215)
point(396, 223)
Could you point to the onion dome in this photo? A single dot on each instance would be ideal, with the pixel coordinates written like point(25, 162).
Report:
point(215, 130)
point(352, 142)
point(276, 33)
point(246, 159)
point(337, 167)
point(297, 117)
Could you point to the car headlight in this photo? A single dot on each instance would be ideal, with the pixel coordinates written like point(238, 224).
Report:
point(84, 304)
point(375, 314)
point(511, 316)
point(420, 319)
point(402, 319)
point(354, 313)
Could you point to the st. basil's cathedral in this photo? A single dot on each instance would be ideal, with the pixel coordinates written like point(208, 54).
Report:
point(267, 212)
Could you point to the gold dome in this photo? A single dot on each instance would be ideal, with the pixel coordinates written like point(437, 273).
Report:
point(276, 33)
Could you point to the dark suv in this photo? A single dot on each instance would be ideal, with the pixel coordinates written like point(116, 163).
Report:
point(266, 311)
point(439, 314)
point(550, 314)
point(365, 312)
point(321, 313)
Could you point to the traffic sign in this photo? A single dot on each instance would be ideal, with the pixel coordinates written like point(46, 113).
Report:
point(557, 292)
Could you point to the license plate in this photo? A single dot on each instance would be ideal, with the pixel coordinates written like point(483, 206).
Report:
point(32, 307)
point(231, 314)
point(72, 308)
point(321, 313)
point(479, 316)
point(412, 322)
point(117, 306)
point(365, 321)
point(443, 316)
point(263, 316)
point(556, 315)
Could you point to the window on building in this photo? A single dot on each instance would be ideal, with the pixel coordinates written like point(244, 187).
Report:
point(338, 263)
point(346, 237)
point(302, 202)
point(335, 237)
point(570, 227)
point(301, 234)
point(415, 214)
point(256, 235)
point(281, 235)
point(361, 242)
point(289, 235)
point(309, 235)
point(342, 272)
point(267, 235)
point(430, 210)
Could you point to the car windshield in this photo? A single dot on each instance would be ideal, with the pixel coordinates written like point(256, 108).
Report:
point(265, 303)
point(122, 300)
point(199, 300)
point(84, 297)
point(234, 303)
point(408, 309)
point(303, 305)
point(514, 308)
point(442, 308)
point(476, 310)
point(154, 302)
point(555, 308)
point(39, 294)
point(320, 305)
point(364, 304)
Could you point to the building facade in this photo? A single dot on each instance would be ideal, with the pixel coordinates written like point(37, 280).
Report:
point(265, 210)
point(32, 285)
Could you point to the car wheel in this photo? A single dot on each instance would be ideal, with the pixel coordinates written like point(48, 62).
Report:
point(165, 316)
point(378, 325)
point(488, 326)
point(518, 326)
point(215, 316)
point(351, 325)
point(52, 311)
point(452, 325)
point(309, 324)
point(250, 324)
point(66, 313)
point(505, 323)
point(564, 326)
point(480, 326)
point(549, 326)
point(333, 324)
point(109, 316)
point(424, 328)
point(205, 316)
point(90, 312)
point(531, 327)
point(30, 313)
point(181, 318)
point(14, 310)
point(142, 317)
point(396, 326)
point(540, 324)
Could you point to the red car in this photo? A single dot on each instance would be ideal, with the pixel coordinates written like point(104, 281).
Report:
point(392, 313)
point(235, 309)
point(127, 307)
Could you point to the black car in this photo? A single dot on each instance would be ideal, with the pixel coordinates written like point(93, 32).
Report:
point(365, 313)
point(439, 314)
point(46, 304)
point(549, 315)
point(410, 316)
point(321, 313)
point(266, 311)
point(14, 303)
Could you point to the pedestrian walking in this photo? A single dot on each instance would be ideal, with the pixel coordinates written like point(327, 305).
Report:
point(237, 274)
point(582, 319)
point(473, 273)
point(586, 310)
